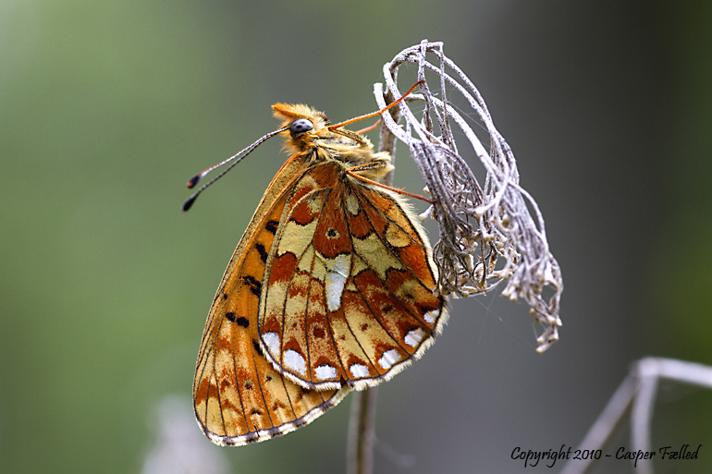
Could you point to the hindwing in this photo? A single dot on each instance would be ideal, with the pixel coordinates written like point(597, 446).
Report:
point(349, 295)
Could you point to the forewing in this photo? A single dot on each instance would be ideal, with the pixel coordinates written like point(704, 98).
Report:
point(238, 396)
point(350, 293)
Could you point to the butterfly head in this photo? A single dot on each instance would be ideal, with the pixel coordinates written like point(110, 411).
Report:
point(304, 124)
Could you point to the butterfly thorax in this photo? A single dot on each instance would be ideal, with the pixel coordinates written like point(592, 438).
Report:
point(308, 134)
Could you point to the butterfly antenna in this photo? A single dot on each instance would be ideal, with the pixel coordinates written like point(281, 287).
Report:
point(378, 112)
point(231, 162)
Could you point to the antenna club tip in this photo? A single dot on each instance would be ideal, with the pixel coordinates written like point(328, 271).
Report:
point(189, 203)
point(193, 181)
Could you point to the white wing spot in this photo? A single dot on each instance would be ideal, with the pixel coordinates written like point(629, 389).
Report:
point(325, 372)
point(389, 358)
point(295, 361)
point(414, 337)
point(359, 370)
point(431, 316)
point(336, 275)
point(271, 340)
point(352, 204)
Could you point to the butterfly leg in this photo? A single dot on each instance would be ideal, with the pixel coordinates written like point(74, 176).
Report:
point(370, 127)
point(377, 167)
point(355, 136)
point(380, 163)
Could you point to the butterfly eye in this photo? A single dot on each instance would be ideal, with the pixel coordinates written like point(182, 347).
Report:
point(300, 126)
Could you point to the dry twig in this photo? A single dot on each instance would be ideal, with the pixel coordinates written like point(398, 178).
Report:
point(637, 394)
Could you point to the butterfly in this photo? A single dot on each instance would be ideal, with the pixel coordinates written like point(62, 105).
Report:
point(331, 288)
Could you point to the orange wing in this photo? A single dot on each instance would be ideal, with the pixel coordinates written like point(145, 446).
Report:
point(350, 288)
point(238, 396)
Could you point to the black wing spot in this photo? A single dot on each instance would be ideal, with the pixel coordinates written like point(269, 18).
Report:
point(272, 226)
point(224, 296)
point(257, 348)
point(251, 437)
point(262, 251)
point(230, 316)
point(242, 321)
point(253, 283)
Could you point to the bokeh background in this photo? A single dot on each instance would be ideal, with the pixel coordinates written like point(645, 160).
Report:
point(107, 107)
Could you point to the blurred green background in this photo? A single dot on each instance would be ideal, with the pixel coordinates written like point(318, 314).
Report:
point(107, 107)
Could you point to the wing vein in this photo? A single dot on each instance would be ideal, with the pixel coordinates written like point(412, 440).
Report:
point(289, 399)
point(306, 315)
point(237, 389)
point(390, 250)
point(388, 245)
point(408, 234)
point(259, 387)
point(348, 325)
point(380, 323)
point(217, 392)
point(198, 379)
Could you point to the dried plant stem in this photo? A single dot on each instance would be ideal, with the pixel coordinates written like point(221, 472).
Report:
point(492, 233)
point(362, 421)
point(362, 424)
point(637, 395)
